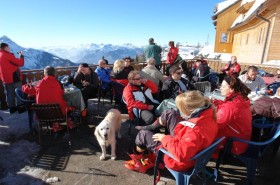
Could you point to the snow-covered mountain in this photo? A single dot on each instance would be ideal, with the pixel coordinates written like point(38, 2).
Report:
point(91, 53)
point(36, 59)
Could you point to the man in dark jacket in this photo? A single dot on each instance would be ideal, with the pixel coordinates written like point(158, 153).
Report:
point(86, 80)
point(11, 76)
point(175, 85)
point(153, 51)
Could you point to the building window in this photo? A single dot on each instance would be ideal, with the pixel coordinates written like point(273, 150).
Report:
point(224, 37)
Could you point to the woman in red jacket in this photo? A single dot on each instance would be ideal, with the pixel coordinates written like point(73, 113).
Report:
point(195, 133)
point(234, 117)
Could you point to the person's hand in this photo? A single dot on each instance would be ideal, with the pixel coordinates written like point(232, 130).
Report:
point(143, 81)
point(138, 127)
point(80, 69)
point(150, 107)
point(85, 83)
point(246, 77)
point(158, 137)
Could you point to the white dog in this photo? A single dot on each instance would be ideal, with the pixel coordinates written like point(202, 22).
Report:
point(106, 131)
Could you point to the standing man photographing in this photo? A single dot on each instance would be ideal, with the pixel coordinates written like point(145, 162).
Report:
point(10, 74)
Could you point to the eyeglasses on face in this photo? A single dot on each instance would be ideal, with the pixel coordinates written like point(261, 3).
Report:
point(137, 79)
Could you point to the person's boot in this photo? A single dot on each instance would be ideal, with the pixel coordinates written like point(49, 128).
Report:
point(21, 109)
point(13, 110)
point(4, 106)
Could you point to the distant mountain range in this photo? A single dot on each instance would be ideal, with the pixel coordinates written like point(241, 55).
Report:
point(92, 53)
point(72, 56)
point(36, 59)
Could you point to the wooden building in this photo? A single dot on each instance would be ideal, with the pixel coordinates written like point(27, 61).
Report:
point(249, 29)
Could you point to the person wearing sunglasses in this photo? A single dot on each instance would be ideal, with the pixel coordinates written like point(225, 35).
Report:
point(139, 94)
point(175, 84)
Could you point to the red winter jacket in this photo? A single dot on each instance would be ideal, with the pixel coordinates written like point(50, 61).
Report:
point(190, 137)
point(131, 91)
point(172, 54)
point(234, 119)
point(233, 69)
point(8, 65)
point(48, 90)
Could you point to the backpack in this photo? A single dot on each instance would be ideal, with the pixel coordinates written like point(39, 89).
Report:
point(267, 107)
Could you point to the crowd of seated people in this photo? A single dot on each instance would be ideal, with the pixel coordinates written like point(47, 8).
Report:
point(198, 121)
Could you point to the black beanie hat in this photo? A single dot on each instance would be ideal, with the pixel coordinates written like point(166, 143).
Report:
point(3, 45)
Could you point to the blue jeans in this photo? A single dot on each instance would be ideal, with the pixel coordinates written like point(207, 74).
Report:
point(11, 95)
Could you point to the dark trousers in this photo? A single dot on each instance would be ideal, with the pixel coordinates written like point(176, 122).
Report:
point(3, 96)
point(88, 92)
point(144, 137)
point(13, 101)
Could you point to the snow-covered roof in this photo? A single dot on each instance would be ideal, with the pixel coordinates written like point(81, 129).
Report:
point(241, 18)
point(273, 62)
point(223, 5)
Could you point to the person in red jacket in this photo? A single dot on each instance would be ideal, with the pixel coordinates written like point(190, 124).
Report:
point(234, 116)
point(43, 88)
point(232, 68)
point(138, 94)
point(197, 131)
point(171, 56)
point(11, 76)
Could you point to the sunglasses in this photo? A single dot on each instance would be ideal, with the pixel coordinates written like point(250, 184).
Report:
point(137, 79)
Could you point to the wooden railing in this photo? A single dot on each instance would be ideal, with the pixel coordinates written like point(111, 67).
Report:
point(38, 74)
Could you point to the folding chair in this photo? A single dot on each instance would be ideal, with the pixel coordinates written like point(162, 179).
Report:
point(201, 160)
point(48, 114)
point(27, 103)
point(253, 153)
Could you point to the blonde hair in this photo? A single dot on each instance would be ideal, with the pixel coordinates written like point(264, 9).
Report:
point(189, 101)
point(118, 66)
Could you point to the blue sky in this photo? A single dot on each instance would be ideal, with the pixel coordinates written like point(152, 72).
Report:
point(37, 23)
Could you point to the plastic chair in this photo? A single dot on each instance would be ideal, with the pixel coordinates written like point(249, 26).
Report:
point(254, 151)
point(213, 78)
point(48, 114)
point(137, 114)
point(203, 86)
point(27, 103)
point(201, 160)
point(273, 86)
